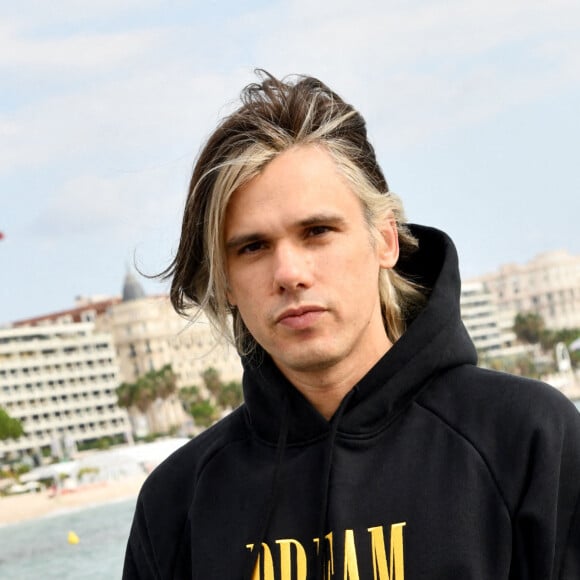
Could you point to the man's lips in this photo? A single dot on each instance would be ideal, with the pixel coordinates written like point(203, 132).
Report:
point(300, 318)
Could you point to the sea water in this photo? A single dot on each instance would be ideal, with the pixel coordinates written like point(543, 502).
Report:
point(40, 548)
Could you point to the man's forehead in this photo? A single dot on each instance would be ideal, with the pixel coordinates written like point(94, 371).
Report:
point(299, 186)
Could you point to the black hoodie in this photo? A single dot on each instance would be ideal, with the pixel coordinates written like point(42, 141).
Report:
point(431, 468)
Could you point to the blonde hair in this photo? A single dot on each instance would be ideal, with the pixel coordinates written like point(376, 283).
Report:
point(276, 115)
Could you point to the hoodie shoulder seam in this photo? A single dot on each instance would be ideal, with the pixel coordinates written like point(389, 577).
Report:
point(473, 446)
point(219, 449)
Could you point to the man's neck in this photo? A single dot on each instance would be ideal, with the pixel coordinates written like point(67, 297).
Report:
point(325, 389)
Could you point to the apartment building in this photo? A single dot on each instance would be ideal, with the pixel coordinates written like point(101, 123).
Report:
point(59, 380)
point(484, 322)
point(548, 285)
point(59, 372)
point(148, 334)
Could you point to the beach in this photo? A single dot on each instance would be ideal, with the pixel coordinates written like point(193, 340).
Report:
point(120, 472)
point(29, 506)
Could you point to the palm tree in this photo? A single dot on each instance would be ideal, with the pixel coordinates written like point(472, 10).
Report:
point(152, 396)
point(212, 382)
point(165, 381)
point(125, 394)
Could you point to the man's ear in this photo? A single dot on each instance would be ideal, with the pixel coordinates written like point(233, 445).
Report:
point(388, 248)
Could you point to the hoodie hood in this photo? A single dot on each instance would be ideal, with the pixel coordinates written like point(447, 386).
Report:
point(435, 341)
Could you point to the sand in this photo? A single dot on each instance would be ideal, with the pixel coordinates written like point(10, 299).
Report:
point(28, 506)
point(124, 466)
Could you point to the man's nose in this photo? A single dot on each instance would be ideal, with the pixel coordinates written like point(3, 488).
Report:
point(292, 268)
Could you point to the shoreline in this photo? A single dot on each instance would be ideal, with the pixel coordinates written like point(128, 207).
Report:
point(30, 506)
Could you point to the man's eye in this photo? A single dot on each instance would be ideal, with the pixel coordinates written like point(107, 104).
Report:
point(318, 230)
point(251, 248)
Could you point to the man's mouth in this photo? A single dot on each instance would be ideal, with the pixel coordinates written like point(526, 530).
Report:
point(301, 317)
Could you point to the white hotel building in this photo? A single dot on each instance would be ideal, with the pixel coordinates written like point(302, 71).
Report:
point(148, 334)
point(484, 323)
point(59, 380)
point(548, 285)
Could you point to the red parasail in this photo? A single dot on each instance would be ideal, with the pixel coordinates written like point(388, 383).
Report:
point(1, 235)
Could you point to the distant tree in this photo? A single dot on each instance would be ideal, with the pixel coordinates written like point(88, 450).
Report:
point(199, 407)
point(204, 413)
point(164, 381)
point(138, 397)
point(212, 381)
point(189, 395)
point(125, 395)
point(10, 428)
point(155, 384)
point(220, 397)
point(231, 395)
point(567, 336)
point(529, 327)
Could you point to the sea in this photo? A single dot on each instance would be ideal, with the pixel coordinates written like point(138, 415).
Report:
point(40, 548)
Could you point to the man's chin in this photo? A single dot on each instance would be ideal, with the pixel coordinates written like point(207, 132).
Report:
point(309, 361)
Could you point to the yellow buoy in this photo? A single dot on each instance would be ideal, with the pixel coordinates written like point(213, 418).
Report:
point(73, 538)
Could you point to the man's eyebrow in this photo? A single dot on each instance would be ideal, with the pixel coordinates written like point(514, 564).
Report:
point(243, 239)
point(319, 219)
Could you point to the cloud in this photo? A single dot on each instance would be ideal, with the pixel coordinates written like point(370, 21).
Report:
point(147, 116)
point(40, 16)
point(122, 207)
point(432, 65)
point(402, 32)
point(80, 52)
point(413, 68)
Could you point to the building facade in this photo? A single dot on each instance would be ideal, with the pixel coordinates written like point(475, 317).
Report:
point(86, 309)
point(484, 322)
point(548, 285)
point(59, 372)
point(148, 334)
point(59, 380)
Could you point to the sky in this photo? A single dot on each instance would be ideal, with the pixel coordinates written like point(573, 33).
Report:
point(473, 108)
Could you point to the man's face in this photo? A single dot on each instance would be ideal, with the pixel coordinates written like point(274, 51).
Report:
point(302, 269)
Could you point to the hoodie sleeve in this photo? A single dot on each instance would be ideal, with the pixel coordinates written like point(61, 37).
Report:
point(139, 562)
point(571, 556)
point(546, 520)
point(528, 434)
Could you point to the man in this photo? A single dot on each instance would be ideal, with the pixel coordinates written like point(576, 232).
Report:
point(369, 445)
